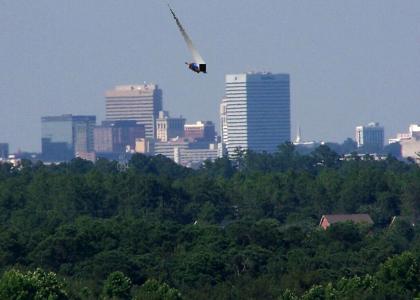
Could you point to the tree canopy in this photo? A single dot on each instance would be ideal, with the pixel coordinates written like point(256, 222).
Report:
point(233, 229)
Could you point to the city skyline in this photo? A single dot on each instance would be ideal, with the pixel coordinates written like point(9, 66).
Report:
point(350, 63)
point(130, 87)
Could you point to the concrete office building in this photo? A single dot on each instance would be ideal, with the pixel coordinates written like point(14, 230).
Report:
point(64, 136)
point(145, 146)
point(117, 136)
point(102, 136)
point(91, 156)
point(255, 112)
point(141, 103)
point(410, 148)
point(180, 150)
point(370, 137)
point(83, 133)
point(200, 131)
point(193, 158)
point(167, 148)
point(410, 142)
point(169, 128)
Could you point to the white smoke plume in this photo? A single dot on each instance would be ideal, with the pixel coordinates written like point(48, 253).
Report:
point(196, 56)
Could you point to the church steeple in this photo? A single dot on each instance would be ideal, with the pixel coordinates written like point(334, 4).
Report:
point(298, 136)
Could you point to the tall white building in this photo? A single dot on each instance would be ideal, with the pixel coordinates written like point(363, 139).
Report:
point(223, 121)
point(141, 103)
point(370, 137)
point(255, 113)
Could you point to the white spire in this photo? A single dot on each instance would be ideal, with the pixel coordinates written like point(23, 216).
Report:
point(298, 136)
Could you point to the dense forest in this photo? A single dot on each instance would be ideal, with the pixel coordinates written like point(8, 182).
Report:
point(241, 229)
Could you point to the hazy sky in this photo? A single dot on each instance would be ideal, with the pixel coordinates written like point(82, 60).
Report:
point(351, 62)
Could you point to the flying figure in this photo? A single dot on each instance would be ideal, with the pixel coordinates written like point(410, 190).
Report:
point(198, 65)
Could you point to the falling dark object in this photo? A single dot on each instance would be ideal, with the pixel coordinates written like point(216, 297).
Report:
point(198, 65)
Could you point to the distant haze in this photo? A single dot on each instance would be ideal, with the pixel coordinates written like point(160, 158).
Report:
point(350, 62)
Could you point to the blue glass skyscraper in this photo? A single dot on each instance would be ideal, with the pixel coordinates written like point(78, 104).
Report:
point(256, 112)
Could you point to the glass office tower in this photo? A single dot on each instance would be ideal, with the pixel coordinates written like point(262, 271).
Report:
point(256, 112)
point(64, 136)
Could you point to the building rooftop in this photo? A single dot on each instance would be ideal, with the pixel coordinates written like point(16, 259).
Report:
point(132, 87)
point(356, 218)
point(199, 124)
point(68, 117)
point(370, 125)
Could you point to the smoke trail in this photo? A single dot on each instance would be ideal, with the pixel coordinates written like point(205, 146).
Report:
point(196, 56)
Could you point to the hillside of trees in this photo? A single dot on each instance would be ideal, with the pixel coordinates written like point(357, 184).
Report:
point(243, 229)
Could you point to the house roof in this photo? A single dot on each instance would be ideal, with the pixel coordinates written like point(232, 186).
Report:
point(356, 218)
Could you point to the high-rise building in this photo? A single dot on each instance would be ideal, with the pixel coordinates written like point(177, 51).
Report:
point(102, 136)
point(255, 113)
point(4, 150)
point(83, 133)
point(141, 103)
point(200, 131)
point(223, 129)
point(64, 136)
point(114, 137)
point(169, 128)
point(370, 137)
point(223, 121)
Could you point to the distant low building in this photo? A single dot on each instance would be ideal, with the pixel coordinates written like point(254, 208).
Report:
point(13, 160)
point(16, 158)
point(194, 158)
point(145, 146)
point(359, 156)
point(90, 156)
point(410, 142)
point(181, 150)
point(168, 148)
point(304, 147)
point(328, 220)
